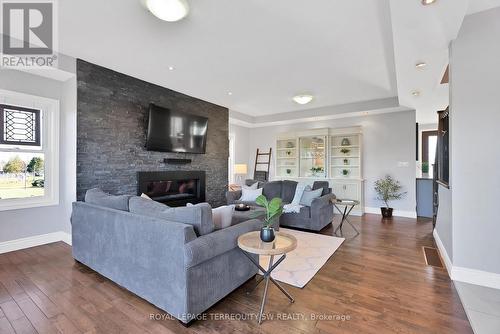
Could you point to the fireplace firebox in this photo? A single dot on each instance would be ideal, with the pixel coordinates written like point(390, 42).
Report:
point(173, 188)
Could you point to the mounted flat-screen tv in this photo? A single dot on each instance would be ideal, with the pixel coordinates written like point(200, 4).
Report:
point(174, 131)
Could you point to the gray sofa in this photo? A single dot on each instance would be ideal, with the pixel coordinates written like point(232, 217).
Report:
point(314, 218)
point(180, 267)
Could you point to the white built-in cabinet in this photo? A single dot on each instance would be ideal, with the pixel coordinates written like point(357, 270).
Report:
point(333, 154)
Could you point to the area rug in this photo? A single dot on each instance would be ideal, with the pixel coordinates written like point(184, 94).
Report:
point(300, 265)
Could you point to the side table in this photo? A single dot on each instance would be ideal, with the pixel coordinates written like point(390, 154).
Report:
point(283, 243)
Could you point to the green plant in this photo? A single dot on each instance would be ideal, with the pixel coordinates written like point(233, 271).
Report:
point(345, 151)
point(425, 167)
point(38, 183)
point(346, 162)
point(274, 209)
point(345, 172)
point(317, 169)
point(388, 189)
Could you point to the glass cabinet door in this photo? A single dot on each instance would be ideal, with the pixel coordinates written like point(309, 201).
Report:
point(312, 156)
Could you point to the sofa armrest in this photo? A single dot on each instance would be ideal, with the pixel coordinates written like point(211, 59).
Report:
point(232, 196)
point(322, 201)
point(219, 242)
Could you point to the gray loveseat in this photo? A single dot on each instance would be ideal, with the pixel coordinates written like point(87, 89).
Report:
point(315, 217)
point(181, 267)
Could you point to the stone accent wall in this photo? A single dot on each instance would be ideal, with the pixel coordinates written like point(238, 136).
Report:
point(111, 133)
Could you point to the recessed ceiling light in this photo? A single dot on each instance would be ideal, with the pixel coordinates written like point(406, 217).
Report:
point(229, 93)
point(168, 10)
point(415, 93)
point(171, 68)
point(428, 2)
point(303, 98)
point(420, 65)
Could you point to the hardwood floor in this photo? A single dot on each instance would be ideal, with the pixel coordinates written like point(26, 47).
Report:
point(378, 282)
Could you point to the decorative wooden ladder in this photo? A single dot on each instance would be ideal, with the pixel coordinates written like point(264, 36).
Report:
point(262, 175)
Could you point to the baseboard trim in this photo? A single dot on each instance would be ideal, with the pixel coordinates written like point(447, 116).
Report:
point(36, 240)
point(444, 254)
point(466, 275)
point(396, 213)
point(476, 277)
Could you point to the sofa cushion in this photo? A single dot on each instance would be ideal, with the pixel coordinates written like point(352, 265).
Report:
point(288, 190)
point(250, 195)
point(322, 184)
point(199, 215)
point(98, 197)
point(272, 189)
point(309, 195)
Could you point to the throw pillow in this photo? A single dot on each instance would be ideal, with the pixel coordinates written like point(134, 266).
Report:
point(98, 197)
point(143, 195)
point(221, 216)
point(199, 215)
point(301, 187)
point(250, 195)
point(309, 196)
point(253, 186)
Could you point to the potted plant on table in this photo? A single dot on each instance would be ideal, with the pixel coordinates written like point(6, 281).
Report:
point(274, 209)
point(388, 189)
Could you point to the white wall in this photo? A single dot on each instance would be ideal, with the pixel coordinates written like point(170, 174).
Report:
point(387, 139)
point(16, 224)
point(475, 120)
point(242, 144)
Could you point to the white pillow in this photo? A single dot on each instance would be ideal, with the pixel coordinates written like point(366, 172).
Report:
point(250, 195)
point(309, 196)
point(299, 190)
point(253, 186)
point(222, 216)
point(143, 195)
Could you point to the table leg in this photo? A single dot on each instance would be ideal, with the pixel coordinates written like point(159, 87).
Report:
point(345, 218)
point(267, 275)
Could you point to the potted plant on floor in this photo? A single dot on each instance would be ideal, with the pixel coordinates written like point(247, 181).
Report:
point(388, 189)
point(274, 209)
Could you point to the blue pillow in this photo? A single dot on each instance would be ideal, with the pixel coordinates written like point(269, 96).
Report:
point(309, 196)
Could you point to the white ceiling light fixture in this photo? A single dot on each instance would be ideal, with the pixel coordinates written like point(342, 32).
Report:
point(229, 93)
point(428, 2)
point(303, 98)
point(171, 68)
point(168, 10)
point(415, 93)
point(420, 65)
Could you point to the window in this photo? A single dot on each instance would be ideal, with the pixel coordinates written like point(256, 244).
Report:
point(443, 154)
point(29, 151)
point(429, 147)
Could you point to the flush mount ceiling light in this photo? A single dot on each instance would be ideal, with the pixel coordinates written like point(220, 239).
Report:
point(420, 65)
point(415, 93)
point(171, 68)
point(428, 2)
point(168, 10)
point(303, 98)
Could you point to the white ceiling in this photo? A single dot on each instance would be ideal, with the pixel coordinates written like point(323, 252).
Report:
point(264, 52)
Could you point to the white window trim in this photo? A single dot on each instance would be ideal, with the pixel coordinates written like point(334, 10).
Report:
point(50, 142)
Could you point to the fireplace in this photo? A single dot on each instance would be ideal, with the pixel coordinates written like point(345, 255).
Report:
point(173, 188)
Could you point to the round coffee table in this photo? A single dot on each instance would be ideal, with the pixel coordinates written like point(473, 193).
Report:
point(283, 243)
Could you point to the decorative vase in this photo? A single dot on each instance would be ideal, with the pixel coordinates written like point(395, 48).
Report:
point(386, 212)
point(345, 142)
point(267, 234)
